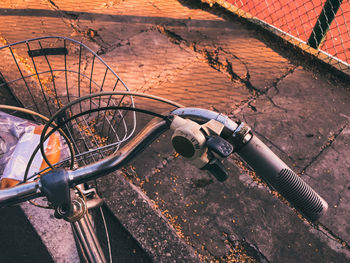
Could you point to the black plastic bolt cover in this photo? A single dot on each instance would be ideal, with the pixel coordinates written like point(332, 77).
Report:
point(55, 186)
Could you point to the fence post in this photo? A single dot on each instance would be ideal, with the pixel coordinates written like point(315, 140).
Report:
point(323, 22)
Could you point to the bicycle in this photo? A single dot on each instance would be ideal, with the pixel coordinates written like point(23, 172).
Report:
point(96, 115)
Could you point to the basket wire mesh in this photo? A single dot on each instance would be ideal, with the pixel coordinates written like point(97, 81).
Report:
point(45, 74)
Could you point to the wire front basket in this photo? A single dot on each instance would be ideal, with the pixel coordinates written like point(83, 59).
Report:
point(45, 74)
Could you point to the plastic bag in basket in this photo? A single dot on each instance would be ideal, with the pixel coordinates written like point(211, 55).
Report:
point(18, 140)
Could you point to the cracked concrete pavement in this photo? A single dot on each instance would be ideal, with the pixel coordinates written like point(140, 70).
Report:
point(205, 57)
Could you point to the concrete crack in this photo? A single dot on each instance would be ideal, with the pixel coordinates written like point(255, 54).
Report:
point(329, 234)
point(274, 145)
point(340, 195)
point(243, 251)
point(251, 106)
point(216, 58)
point(260, 93)
point(278, 80)
point(276, 105)
point(69, 15)
point(248, 103)
point(220, 60)
point(163, 164)
point(329, 143)
point(71, 19)
point(53, 4)
point(245, 79)
point(275, 87)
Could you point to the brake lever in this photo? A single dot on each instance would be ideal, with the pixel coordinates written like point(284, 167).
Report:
point(216, 168)
point(222, 148)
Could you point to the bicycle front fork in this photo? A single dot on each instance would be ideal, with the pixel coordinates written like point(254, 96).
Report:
point(88, 241)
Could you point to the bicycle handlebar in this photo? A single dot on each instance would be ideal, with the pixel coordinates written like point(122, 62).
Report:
point(265, 163)
point(281, 178)
point(31, 190)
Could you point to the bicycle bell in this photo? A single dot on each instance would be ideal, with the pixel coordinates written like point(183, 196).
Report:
point(190, 139)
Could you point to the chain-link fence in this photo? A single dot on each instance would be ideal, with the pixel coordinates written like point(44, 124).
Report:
point(320, 27)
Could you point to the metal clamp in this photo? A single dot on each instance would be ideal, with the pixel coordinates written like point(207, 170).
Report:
point(241, 135)
point(79, 209)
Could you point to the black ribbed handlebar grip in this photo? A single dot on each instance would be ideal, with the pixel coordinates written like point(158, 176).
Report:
point(279, 176)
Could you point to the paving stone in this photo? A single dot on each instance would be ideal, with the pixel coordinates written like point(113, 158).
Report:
point(300, 116)
point(234, 48)
point(217, 218)
point(330, 173)
point(15, 17)
point(175, 49)
point(148, 226)
point(135, 62)
point(198, 85)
